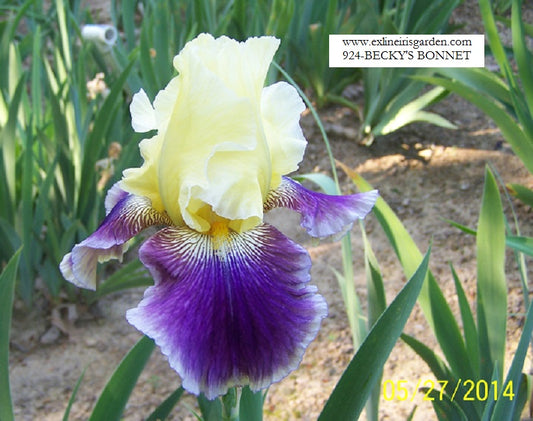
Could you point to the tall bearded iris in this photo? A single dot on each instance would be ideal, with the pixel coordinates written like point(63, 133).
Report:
point(231, 304)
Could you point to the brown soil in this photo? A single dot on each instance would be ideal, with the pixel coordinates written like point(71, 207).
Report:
point(424, 172)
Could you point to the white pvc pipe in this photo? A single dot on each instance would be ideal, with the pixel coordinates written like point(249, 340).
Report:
point(105, 35)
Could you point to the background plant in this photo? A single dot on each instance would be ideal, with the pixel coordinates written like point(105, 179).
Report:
point(307, 43)
point(391, 99)
point(506, 96)
point(478, 354)
point(62, 141)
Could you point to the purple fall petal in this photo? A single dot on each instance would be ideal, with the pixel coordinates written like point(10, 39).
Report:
point(322, 214)
point(129, 216)
point(228, 311)
point(114, 195)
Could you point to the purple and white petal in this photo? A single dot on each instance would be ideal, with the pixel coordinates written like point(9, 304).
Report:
point(322, 214)
point(129, 216)
point(231, 310)
point(114, 195)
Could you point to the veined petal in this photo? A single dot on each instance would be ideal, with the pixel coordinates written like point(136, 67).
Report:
point(322, 215)
point(114, 195)
point(229, 309)
point(129, 216)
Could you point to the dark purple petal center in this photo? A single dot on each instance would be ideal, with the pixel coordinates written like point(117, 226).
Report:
point(240, 313)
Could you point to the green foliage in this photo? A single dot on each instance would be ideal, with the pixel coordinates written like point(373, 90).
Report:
point(390, 94)
point(66, 414)
point(501, 6)
point(130, 275)
point(164, 410)
point(168, 24)
point(478, 354)
point(7, 289)
point(307, 43)
point(118, 389)
point(251, 405)
point(53, 139)
point(506, 97)
point(355, 385)
point(116, 393)
point(522, 244)
point(491, 282)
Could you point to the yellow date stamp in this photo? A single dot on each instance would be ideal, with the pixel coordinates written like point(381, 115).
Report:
point(462, 389)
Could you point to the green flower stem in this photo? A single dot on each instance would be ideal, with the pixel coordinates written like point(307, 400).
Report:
point(230, 405)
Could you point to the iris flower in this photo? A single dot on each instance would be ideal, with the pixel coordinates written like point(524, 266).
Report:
point(231, 302)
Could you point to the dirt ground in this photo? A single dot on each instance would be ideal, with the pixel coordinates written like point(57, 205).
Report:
point(424, 172)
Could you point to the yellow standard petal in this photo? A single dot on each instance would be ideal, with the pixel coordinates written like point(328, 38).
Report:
point(144, 181)
point(281, 107)
point(223, 141)
point(142, 113)
point(215, 160)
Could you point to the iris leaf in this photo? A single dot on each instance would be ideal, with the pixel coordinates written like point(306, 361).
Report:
point(512, 131)
point(349, 396)
point(7, 292)
point(442, 373)
point(128, 21)
point(163, 410)
point(489, 405)
point(118, 389)
point(431, 299)
point(522, 53)
point(522, 193)
point(131, 275)
point(325, 182)
point(506, 406)
point(444, 407)
point(377, 304)
point(73, 396)
point(376, 291)
point(522, 244)
point(8, 148)
point(469, 325)
point(211, 409)
point(491, 282)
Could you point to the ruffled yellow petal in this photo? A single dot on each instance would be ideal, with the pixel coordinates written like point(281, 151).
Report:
point(223, 141)
point(142, 113)
point(164, 103)
point(144, 181)
point(241, 66)
point(215, 150)
point(281, 107)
